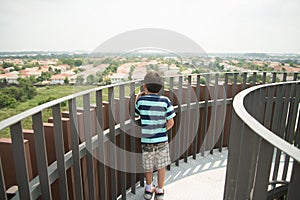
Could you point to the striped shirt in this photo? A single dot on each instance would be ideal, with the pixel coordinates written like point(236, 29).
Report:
point(154, 111)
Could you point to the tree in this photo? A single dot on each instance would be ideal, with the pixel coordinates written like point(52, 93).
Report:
point(7, 65)
point(79, 80)
point(90, 79)
point(7, 101)
point(77, 63)
point(66, 81)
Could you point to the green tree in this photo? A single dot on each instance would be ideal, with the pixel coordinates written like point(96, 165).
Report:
point(79, 80)
point(90, 79)
point(7, 65)
point(66, 81)
point(7, 102)
point(77, 63)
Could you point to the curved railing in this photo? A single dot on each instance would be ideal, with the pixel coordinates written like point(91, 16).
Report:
point(64, 158)
point(264, 154)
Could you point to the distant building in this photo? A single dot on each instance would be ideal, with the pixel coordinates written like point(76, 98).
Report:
point(117, 78)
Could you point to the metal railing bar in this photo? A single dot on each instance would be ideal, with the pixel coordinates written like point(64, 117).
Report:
point(41, 156)
point(132, 139)
point(290, 127)
point(75, 148)
point(112, 152)
point(260, 129)
point(122, 140)
point(2, 183)
point(179, 129)
point(224, 105)
point(171, 96)
point(20, 161)
point(88, 138)
point(293, 191)
point(187, 120)
point(264, 162)
point(204, 130)
point(197, 118)
point(214, 112)
point(59, 150)
point(100, 144)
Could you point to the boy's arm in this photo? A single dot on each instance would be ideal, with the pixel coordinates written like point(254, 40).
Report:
point(169, 124)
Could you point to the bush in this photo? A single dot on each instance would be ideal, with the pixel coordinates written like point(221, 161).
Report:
point(7, 102)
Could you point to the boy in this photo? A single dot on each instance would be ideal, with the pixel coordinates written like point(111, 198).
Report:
point(156, 113)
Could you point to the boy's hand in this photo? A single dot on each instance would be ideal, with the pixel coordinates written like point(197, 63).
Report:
point(139, 94)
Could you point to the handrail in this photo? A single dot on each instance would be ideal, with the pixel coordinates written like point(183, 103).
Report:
point(257, 127)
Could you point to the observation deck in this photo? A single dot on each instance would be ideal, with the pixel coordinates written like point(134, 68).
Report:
point(232, 139)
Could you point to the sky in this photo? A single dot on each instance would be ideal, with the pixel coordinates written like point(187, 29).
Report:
point(218, 26)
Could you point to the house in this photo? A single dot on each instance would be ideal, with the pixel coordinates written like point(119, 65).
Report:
point(58, 79)
point(11, 77)
point(117, 78)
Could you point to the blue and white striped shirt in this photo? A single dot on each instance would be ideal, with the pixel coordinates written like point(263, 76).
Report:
point(154, 111)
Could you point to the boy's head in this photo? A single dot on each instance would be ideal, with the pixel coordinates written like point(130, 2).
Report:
point(153, 81)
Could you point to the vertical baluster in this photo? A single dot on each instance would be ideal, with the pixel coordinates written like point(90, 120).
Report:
point(274, 77)
point(204, 133)
point(2, 184)
point(100, 152)
point(293, 191)
point(171, 96)
point(225, 110)
point(60, 151)
point(214, 113)
point(197, 118)
point(112, 135)
point(132, 139)
point(41, 156)
point(122, 140)
point(89, 148)
point(179, 129)
point(187, 120)
point(75, 148)
point(264, 77)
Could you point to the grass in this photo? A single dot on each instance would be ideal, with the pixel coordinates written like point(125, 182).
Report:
point(44, 93)
point(54, 92)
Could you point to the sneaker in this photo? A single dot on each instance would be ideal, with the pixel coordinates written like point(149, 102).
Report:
point(148, 195)
point(159, 196)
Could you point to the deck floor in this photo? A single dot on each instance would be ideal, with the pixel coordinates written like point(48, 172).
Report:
point(203, 178)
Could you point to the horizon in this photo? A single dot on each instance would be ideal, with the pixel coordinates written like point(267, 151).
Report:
point(233, 26)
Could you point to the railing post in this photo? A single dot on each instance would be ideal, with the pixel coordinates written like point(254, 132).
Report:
point(204, 130)
point(293, 191)
point(179, 129)
point(236, 132)
point(100, 152)
point(59, 150)
point(2, 183)
point(122, 140)
point(41, 156)
point(197, 116)
point(20, 161)
point(187, 120)
point(132, 139)
point(89, 148)
point(75, 148)
point(112, 142)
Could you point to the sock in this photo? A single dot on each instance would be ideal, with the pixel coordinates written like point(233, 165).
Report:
point(149, 187)
point(159, 190)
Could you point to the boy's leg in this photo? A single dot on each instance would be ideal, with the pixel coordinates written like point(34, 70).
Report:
point(161, 177)
point(149, 177)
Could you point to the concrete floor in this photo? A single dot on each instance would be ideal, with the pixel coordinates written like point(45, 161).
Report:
point(203, 178)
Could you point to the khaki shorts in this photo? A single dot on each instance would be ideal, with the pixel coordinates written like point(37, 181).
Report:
point(155, 156)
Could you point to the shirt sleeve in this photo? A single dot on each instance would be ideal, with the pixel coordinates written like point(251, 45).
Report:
point(170, 110)
point(137, 112)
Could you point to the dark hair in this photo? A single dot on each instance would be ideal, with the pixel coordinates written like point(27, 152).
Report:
point(153, 81)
